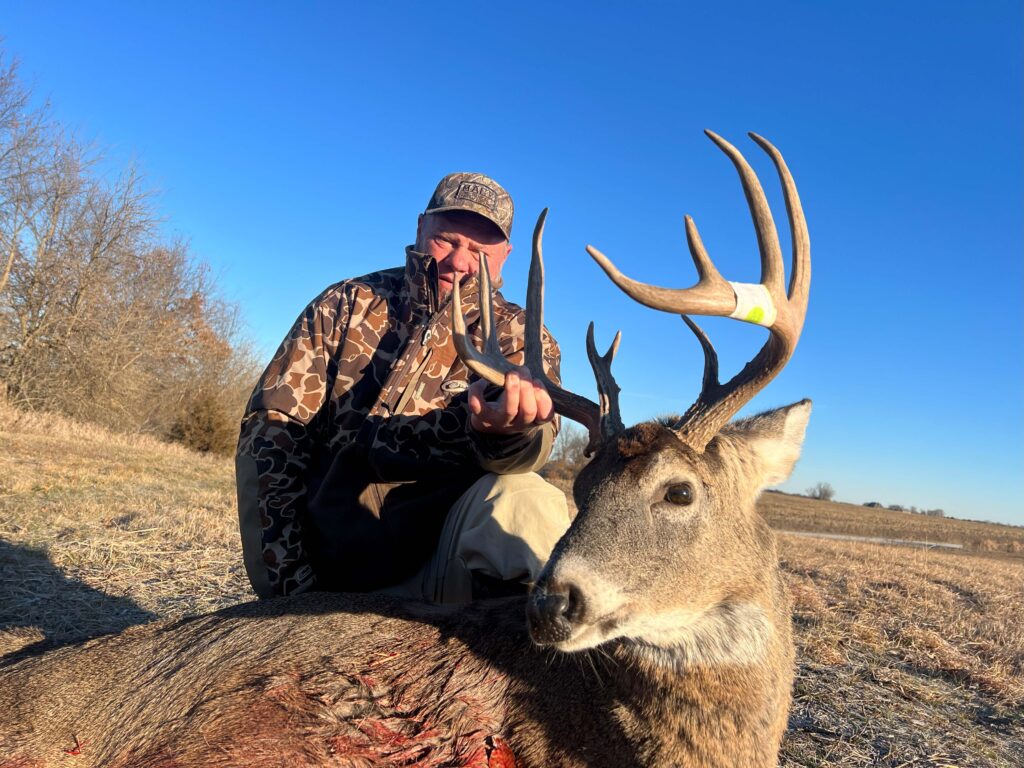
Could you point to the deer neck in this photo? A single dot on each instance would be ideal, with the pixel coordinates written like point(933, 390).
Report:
point(719, 698)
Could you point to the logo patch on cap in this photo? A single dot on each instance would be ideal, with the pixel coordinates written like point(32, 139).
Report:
point(476, 193)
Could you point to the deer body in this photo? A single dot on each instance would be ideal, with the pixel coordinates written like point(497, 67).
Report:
point(660, 625)
point(350, 680)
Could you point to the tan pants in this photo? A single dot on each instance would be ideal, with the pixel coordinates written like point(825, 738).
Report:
point(504, 526)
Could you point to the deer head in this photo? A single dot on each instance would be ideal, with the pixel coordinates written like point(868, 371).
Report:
point(667, 550)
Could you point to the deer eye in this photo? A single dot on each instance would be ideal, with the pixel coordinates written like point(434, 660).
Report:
point(681, 494)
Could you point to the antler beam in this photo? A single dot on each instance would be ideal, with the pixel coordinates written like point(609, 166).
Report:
point(602, 421)
point(766, 303)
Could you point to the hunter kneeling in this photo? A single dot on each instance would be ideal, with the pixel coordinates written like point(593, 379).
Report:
point(370, 459)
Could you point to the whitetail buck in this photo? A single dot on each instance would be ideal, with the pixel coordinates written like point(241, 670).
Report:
point(665, 596)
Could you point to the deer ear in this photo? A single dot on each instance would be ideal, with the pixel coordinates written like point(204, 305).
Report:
point(776, 438)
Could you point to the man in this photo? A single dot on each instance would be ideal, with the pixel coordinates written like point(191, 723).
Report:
point(369, 461)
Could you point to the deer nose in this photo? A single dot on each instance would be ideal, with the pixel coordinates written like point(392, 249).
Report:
point(551, 611)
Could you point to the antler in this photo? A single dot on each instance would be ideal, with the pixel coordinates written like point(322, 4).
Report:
point(765, 304)
point(602, 421)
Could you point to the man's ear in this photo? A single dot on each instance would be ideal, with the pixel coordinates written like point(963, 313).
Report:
point(775, 437)
point(419, 231)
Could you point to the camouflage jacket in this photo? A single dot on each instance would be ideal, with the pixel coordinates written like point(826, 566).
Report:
point(356, 439)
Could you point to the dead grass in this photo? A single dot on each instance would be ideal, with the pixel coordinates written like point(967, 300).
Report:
point(799, 513)
point(99, 531)
point(906, 657)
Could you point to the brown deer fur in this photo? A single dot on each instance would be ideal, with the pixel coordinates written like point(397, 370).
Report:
point(682, 655)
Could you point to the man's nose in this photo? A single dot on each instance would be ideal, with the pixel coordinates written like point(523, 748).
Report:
point(465, 260)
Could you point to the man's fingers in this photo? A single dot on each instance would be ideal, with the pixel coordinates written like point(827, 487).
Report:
point(523, 403)
point(511, 396)
point(545, 408)
point(527, 405)
point(476, 396)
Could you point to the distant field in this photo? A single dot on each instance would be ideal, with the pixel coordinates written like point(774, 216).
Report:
point(798, 513)
point(906, 657)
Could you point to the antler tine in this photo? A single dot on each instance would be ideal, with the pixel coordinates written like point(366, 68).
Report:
point(607, 388)
point(710, 296)
point(710, 356)
point(800, 276)
point(485, 365)
point(772, 270)
point(608, 421)
point(535, 303)
point(486, 308)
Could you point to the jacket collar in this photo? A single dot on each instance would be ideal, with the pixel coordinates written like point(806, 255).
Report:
point(422, 297)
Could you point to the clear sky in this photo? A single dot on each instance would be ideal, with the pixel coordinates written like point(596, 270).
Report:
point(294, 144)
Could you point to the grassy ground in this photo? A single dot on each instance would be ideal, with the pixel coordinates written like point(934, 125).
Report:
point(101, 531)
point(906, 657)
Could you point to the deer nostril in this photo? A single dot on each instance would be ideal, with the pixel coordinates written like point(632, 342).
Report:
point(574, 603)
point(551, 611)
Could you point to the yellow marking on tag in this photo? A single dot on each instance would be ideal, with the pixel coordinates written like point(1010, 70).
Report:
point(756, 315)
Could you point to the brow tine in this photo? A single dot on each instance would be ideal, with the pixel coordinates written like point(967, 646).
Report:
point(473, 359)
point(607, 388)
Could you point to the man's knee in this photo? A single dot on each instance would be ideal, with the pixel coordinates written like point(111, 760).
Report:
point(504, 527)
point(524, 506)
point(524, 489)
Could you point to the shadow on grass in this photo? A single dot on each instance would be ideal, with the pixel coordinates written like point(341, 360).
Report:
point(35, 597)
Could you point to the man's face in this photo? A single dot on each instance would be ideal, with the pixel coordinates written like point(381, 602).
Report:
point(456, 240)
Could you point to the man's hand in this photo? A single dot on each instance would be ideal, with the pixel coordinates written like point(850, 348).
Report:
point(522, 405)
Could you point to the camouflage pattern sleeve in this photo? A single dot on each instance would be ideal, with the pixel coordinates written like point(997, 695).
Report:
point(527, 452)
point(270, 474)
point(274, 450)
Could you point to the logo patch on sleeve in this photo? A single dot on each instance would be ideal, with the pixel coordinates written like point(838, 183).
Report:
point(454, 386)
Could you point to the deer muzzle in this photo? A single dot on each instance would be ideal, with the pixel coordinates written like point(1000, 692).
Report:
point(551, 612)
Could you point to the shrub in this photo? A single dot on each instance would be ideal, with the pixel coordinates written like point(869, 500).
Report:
point(207, 424)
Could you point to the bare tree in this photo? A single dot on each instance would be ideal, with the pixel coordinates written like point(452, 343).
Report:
point(22, 145)
point(822, 491)
point(568, 455)
point(99, 319)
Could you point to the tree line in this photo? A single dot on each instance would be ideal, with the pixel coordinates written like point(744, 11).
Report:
point(101, 318)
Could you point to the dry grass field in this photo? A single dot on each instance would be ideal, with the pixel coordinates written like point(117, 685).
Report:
point(907, 656)
point(799, 513)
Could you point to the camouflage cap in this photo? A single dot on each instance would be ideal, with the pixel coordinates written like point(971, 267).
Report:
point(477, 193)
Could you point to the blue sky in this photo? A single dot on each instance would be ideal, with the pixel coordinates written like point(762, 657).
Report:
point(294, 144)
